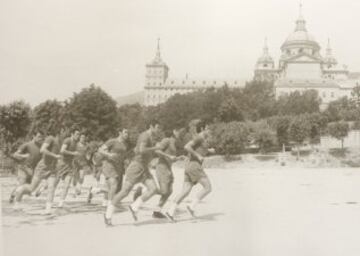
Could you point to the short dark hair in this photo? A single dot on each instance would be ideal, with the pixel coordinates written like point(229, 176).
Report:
point(73, 130)
point(168, 133)
point(200, 125)
point(35, 132)
point(152, 122)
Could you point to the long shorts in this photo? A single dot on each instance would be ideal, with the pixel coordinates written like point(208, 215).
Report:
point(137, 173)
point(24, 173)
point(111, 170)
point(194, 172)
point(64, 169)
point(164, 176)
point(44, 171)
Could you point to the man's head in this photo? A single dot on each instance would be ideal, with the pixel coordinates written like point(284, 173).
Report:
point(38, 137)
point(82, 138)
point(124, 133)
point(203, 128)
point(154, 126)
point(75, 134)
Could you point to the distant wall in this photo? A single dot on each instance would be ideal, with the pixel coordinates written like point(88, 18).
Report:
point(351, 141)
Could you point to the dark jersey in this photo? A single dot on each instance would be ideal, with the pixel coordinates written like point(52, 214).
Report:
point(200, 146)
point(143, 158)
point(70, 146)
point(168, 146)
point(54, 147)
point(33, 150)
point(117, 147)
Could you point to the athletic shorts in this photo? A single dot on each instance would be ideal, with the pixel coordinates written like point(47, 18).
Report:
point(137, 173)
point(82, 165)
point(164, 175)
point(44, 171)
point(194, 172)
point(111, 170)
point(63, 169)
point(24, 173)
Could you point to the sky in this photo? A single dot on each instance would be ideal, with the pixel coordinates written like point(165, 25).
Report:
point(51, 49)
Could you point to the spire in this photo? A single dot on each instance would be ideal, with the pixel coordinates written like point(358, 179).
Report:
point(266, 48)
point(157, 59)
point(328, 49)
point(300, 23)
point(329, 58)
point(158, 55)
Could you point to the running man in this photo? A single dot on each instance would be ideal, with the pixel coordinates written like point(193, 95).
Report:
point(65, 167)
point(45, 169)
point(137, 172)
point(28, 155)
point(167, 155)
point(114, 152)
point(194, 172)
point(81, 163)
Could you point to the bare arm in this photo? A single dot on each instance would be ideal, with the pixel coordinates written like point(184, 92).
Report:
point(143, 149)
point(67, 152)
point(189, 147)
point(19, 156)
point(105, 151)
point(44, 150)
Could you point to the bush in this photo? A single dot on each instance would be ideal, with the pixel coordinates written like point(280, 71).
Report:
point(229, 138)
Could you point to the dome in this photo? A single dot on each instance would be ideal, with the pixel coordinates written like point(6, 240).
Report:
point(300, 36)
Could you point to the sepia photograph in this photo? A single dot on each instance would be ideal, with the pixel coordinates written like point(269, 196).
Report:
point(180, 128)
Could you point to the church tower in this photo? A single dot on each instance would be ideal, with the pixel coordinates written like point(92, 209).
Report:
point(265, 67)
point(157, 70)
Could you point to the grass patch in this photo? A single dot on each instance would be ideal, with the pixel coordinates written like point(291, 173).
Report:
point(265, 157)
point(338, 152)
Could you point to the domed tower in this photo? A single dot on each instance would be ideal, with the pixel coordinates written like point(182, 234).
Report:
point(300, 56)
point(329, 59)
point(157, 70)
point(265, 66)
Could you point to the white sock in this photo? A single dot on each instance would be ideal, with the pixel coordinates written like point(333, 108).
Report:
point(109, 211)
point(95, 190)
point(136, 205)
point(48, 207)
point(61, 203)
point(194, 203)
point(172, 209)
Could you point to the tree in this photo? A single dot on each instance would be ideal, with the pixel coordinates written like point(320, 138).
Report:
point(229, 138)
point(356, 94)
point(48, 117)
point(297, 103)
point(94, 112)
point(299, 130)
point(339, 130)
point(262, 135)
point(281, 125)
point(229, 111)
point(14, 124)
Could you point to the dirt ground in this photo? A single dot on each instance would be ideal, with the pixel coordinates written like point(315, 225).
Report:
point(251, 211)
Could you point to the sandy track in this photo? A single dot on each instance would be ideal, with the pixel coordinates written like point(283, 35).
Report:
point(252, 211)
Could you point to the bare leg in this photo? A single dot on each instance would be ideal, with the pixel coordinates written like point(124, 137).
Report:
point(187, 186)
point(65, 191)
point(26, 189)
point(205, 183)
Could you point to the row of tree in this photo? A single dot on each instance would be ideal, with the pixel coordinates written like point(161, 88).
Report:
point(239, 116)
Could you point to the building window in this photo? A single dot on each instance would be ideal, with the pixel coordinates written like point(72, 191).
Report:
point(324, 94)
point(159, 83)
point(301, 50)
point(193, 82)
point(332, 95)
point(204, 82)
